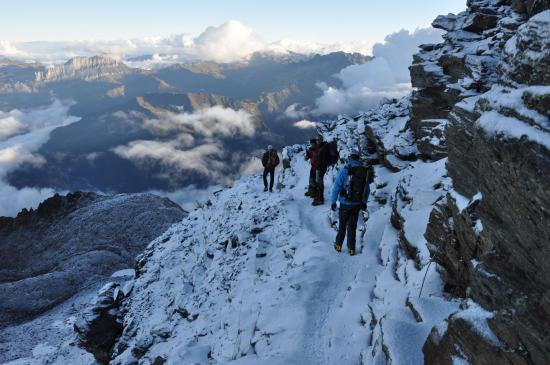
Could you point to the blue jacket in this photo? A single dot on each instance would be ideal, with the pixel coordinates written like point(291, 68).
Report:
point(341, 182)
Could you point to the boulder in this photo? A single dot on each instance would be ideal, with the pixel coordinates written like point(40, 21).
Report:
point(100, 325)
point(526, 57)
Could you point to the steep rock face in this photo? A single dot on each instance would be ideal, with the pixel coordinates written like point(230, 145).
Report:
point(71, 242)
point(491, 236)
point(464, 64)
point(85, 68)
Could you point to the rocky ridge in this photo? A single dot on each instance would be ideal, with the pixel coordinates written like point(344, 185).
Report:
point(85, 68)
point(71, 242)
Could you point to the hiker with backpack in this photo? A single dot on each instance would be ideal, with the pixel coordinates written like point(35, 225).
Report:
point(351, 188)
point(311, 156)
point(327, 155)
point(270, 160)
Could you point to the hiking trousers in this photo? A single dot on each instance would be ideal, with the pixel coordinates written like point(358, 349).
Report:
point(312, 178)
point(348, 216)
point(271, 172)
point(320, 184)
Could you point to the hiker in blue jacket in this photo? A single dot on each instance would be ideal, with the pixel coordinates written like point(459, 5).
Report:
point(351, 188)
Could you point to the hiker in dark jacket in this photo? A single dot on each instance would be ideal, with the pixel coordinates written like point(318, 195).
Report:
point(351, 188)
point(270, 160)
point(311, 156)
point(320, 171)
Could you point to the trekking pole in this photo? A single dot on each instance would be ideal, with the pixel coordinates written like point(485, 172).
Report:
point(425, 274)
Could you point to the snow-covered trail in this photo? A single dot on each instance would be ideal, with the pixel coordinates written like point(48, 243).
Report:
point(343, 284)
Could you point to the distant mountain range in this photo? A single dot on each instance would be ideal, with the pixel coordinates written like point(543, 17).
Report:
point(116, 102)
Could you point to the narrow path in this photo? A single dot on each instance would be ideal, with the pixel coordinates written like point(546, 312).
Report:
point(334, 333)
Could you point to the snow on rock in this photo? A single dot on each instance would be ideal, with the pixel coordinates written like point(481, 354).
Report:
point(527, 51)
point(441, 276)
point(253, 278)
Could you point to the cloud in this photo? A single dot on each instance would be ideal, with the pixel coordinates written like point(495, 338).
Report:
point(228, 42)
point(21, 135)
point(190, 196)
point(200, 159)
point(8, 49)
point(231, 41)
point(12, 200)
point(9, 127)
point(386, 76)
point(296, 111)
point(193, 142)
point(305, 124)
point(208, 122)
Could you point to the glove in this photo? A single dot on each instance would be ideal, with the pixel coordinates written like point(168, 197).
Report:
point(363, 206)
point(333, 207)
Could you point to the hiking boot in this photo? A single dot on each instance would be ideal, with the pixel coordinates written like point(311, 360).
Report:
point(317, 202)
point(270, 190)
point(307, 193)
point(352, 252)
point(337, 247)
point(265, 189)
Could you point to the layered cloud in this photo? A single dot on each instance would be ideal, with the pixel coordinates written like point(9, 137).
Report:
point(8, 49)
point(305, 124)
point(21, 135)
point(228, 42)
point(208, 122)
point(193, 141)
point(386, 76)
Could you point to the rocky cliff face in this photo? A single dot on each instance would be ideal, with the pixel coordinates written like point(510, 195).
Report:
point(489, 84)
point(71, 242)
point(87, 69)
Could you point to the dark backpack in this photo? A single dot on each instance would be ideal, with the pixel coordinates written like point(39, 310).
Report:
point(357, 184)
point(332, 156)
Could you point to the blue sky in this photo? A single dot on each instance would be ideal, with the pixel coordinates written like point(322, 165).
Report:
point(305, 20)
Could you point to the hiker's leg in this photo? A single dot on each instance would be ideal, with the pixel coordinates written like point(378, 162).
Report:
point(317, 178)
point(321, 186)
point(312, 177)
point(265, 177)
point(352, 226)
point(343, 216)
point(271, 178)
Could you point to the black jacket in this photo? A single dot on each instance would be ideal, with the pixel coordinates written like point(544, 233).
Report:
point(322, 156)
point(270, 159)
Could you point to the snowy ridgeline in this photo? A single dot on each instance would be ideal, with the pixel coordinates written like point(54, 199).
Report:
point(253, 278)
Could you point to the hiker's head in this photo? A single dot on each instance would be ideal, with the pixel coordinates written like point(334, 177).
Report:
point(319, 139)
point(313, 141)
point(354, 155)
point(270, 147)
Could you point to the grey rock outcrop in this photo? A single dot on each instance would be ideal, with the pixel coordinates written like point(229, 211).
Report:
point(100, 325)
point(491, 236)
point(70, 243)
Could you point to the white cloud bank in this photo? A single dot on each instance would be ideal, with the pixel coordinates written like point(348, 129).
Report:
point(305, 124)
point(21, 135)
point(194, 144)
point(386, 76)
point(228, 42)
